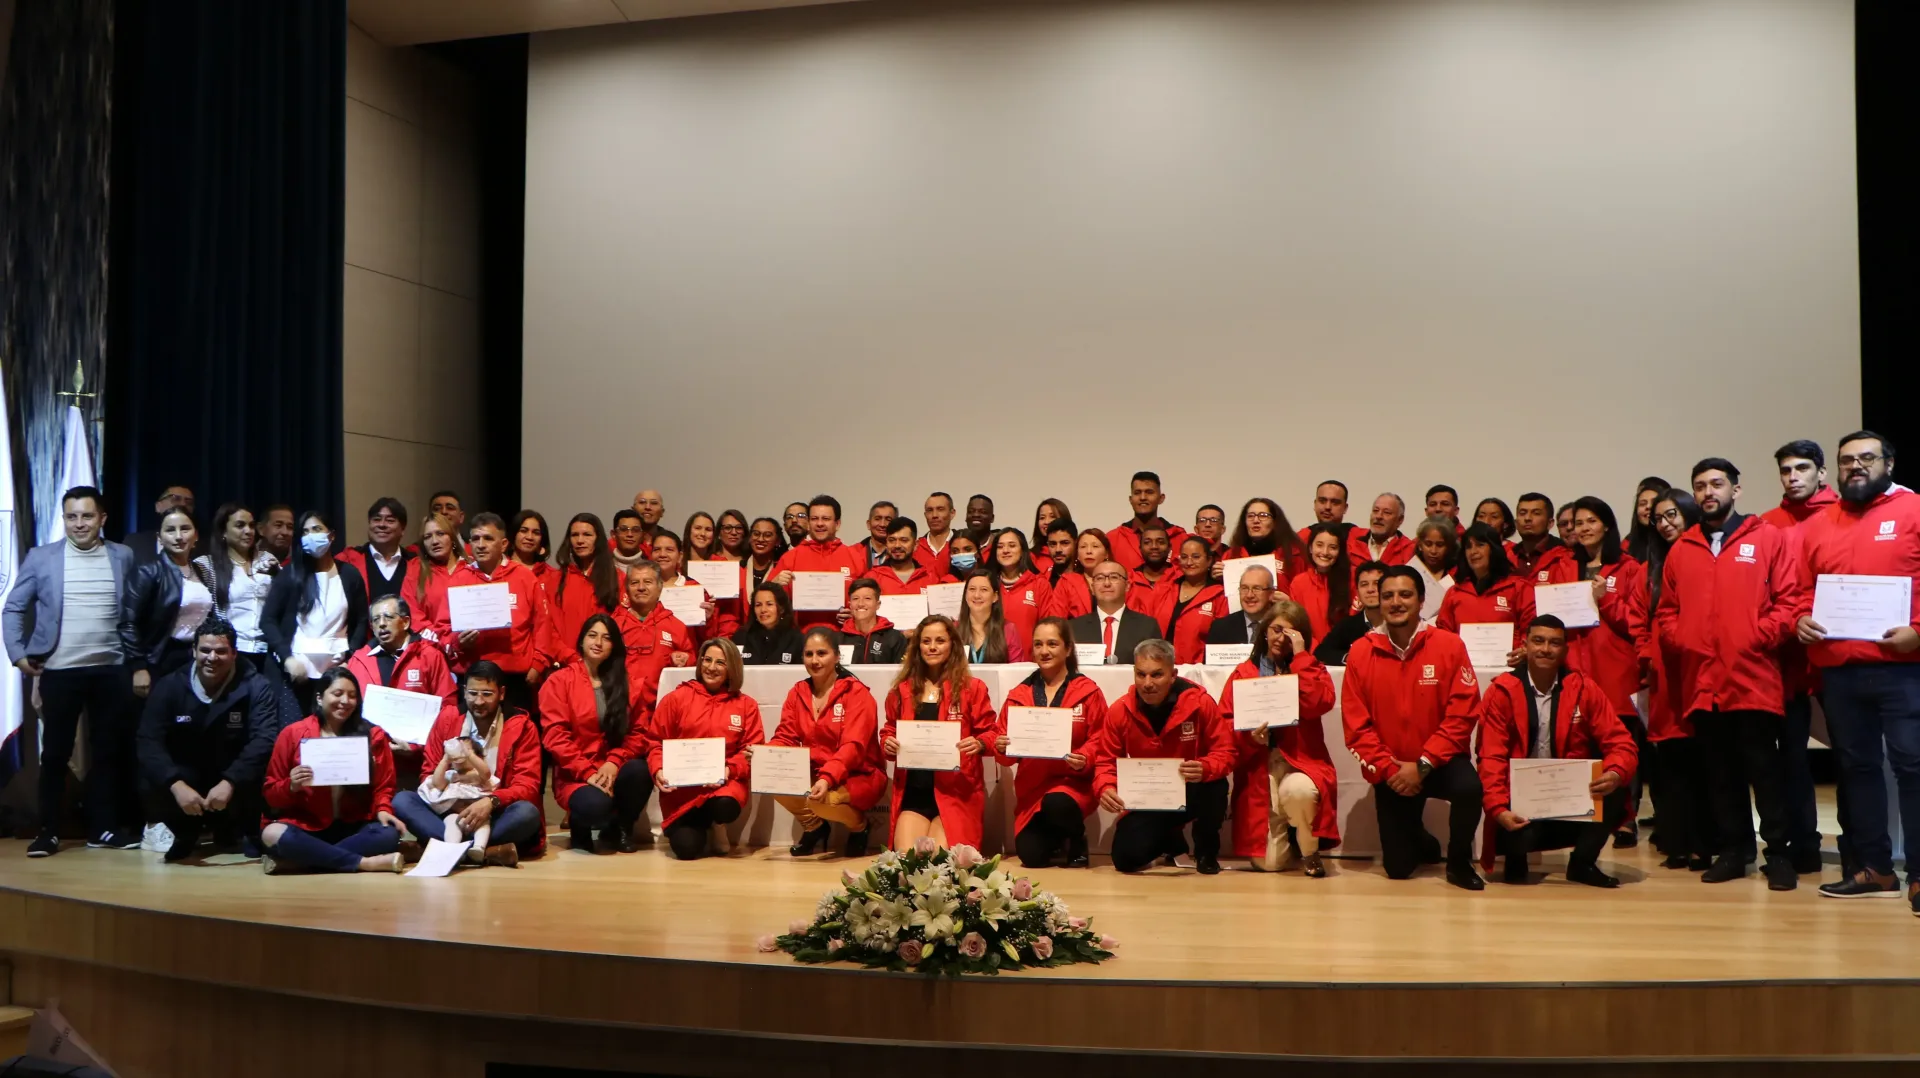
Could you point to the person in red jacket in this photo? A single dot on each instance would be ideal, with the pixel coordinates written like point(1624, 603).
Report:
point(396, 659)
point(1325, 588)
point(833, 716)
point(1537, 555)
point(652, 637)
point(709, 706)
point(1329, 506)
point(822, 552)
point(1409, 703)
point(1729, 597)
point(1210, 523)
point(594, 727)
point(1156, 566)
point(901, 574)
point(1187, 606)
point(1548, 711)
point(1165, 716)
point(1871, 687)
point(1073, 591)
point(1686, 831)
point(515, 649)
point(425, 591)
point(511, 812)
point(1486, 590)
point(1264, 529)
point(330, 828)
point(1611, 652)
point(587, 583)
point(1381, 539)
point(1053, 797)
point(1284, 783)
point(936, 684)
point(930, 550)
point(1146, 498)
point(1024, 594)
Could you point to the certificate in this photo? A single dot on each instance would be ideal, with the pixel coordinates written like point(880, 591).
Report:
point(1488, 643)
point(694, 761)
point(905, 611)
point(684, 601)
point(336, 761)
point(472, 607)
point(1228, 654)
point(439, 858)
point(1861, 607)
point(405, 716)
point(819, 591)
point(1041, 733)
point(1151, 785)
point(944, 599)
point(720, 578)
point(1090, 654)
point(782, 769)
point(1554, 789)
point(846, 654)
point(1231, 569)
point(928, 746)
point(1266, 701)
point(1571, 603)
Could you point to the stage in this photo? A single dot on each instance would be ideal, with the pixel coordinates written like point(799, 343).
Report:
point(660, 956)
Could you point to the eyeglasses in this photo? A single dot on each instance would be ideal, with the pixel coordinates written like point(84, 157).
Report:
point(1259, 514)
point(1864, 460)
point(1253, 589)
point(731, 528)
point(1209, 520)
point(1670, 515)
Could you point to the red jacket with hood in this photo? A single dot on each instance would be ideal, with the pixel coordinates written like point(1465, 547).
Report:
point(517, 648)
point(813, 556)
point(1395, 708)
point(313, 808)
point(1795, 668)
point(571, 730)
point(1303, 746)
point(516, 764)
point(1508, 599)
point(1610, 652)
point(1124, 541)
point(915, 584)
point(1023, 603)
point(570, 602)
point(1727, 615)
point(1194, 731)
point(961, 795)
point(1188, 633)
point(1034, 778)
point(1881, 538)
point(842, 742)
point(694, 711)
point(651, 642)
point(1399, 548)
point(1585, 727)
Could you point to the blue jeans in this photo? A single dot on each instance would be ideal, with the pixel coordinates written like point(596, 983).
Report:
point(1868, 704)
point(518, 823)
point(339, 848)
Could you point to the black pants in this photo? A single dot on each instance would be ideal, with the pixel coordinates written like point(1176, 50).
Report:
point(1796, 776)
point(105, 694)
point(239, 820)
point(1057, 824)
point(590, 808)
point(1403, 835)
point(1644, 776)
point(1586, 838)
point(1687, 827)
point(1742, 750)
point(688, 835)
point(1141, 838)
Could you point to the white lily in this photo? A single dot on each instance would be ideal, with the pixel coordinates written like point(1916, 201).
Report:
point(935, 916)
point(888, 916)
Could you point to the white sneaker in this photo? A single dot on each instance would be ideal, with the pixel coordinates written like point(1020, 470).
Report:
point(158, 837)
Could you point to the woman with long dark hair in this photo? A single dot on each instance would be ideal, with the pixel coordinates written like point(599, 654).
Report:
point(1609, 652)
point(1186, 607)
point(316, 610)
point(1683, 801)
point(595, 733)
point(1496, 514)
point(531, 546)
point(1263, 529)
point(770, 637)
point(1325, 587)
point(168, 601)
point(731, 545)
point(237, 573)
point(832, 715)
point(330, 828)
point(1025, 594)
point(1045, 515)
point(1641, 535)
point(583, 584)
point(1054, 797)
point(982, 630)
point(936, 684)
point(710, 705)
point(1485, 588)
point(765, 543)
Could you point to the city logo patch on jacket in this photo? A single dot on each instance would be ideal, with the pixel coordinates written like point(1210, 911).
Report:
point(734, 721)
point(1745, 555)
point(839, 712)
point(1500, 603)
point(413, 676)
point(1886, 531)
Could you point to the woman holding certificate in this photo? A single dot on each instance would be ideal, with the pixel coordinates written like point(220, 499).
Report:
point(587, 583)
point(1609, 653)
point(770, 639)
point(1025, 594)
point(1326, 587)
point(1284, 779)
point(983, 631)
point(833, 716)
point(938, 789)
point(1053, 795)
point(1186, 610)
point(595, 733)
point(728, 545)
point(1485, 590)
point(701, 734)
point(329, 789)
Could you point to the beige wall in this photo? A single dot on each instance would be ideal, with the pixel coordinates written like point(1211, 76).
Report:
point(412, 287)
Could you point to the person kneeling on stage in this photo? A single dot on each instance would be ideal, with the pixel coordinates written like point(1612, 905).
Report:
point(331, 828)
point(1544, 711)
point(710, 705)
point(1285, 796)
point(936, 684)
point(203, 744)
point(506, 820)
point(595, 732)
point(1165, 716)
point(832, 715)
point(1052, 797)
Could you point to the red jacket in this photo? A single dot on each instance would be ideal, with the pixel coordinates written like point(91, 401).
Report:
point(1195, 731)
point(651, 642)
point(1291, 560)
point(517, 764)
point(1787, 514)
point(915, 584)
point(843, 742)
point(832, 556)
point(420, 668)
point(312, 809)
point(1727, 616)
point(1124, 541)
point(1402, 709)
point(427, 610)
point(571, 730)
point(519, 647)
point(1508, 599)
point(1034, 778)
point(1610, 652)
point(1023, 603)
point(1551, 564)
point(1881, 539)
point(570, 602)
point(1309, 589)
point(1070, 598)
point(1399, 549)
point(935, 562)
point(1304, 747)
point(691, 711)
point(1143, 595)
point(1188, 632)
point(1586, 726)
point(961, 795)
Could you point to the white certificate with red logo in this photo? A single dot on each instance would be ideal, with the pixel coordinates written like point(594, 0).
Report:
point(819, 591)
point(905, 611)
point(694, 761)
point(1488, 643)
point(1266, 701)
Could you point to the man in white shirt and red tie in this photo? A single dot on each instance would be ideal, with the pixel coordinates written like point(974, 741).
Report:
point(1118, 629)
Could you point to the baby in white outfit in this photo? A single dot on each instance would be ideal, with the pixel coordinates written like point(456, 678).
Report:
point(464, 777)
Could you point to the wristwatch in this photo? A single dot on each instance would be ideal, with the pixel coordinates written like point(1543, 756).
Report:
point(1425, 767)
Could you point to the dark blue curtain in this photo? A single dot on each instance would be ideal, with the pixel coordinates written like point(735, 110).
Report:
point(1883, 33)
point(223, 369)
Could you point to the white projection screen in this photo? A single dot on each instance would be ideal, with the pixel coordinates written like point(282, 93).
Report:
point(1026, 249)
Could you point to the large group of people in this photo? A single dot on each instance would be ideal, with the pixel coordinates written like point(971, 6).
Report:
point(204, 661)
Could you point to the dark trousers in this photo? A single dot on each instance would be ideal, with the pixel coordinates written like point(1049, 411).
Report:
point(1796, 776)
point(591, 809)
point(1869, 704)
point(687, 836)
point(1057, 824)
point(1403, 833)
point(1742, 751)
point(1141, 838)
point(518, 823)
point(239, 820)
point(1643, 776)
point(105, 694)
point(339, 848)
point(1686, 802)
point(1587, 838)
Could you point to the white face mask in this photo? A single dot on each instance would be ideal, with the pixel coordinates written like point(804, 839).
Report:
point(316, 543)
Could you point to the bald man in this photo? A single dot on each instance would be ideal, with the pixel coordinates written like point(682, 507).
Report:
point(651, 507)
point(1112, 623)
point(1382, 541)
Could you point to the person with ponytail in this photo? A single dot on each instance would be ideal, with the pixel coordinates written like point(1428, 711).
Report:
point(585, 583)
point(596, 738)
point(834, 717)
point(330, 828)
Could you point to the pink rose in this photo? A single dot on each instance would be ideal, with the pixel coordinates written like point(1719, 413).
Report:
point(766, 943)
point(798, 928)
point(1043, 948)
point(1078, 924)
point(847, 879)
point(925, 845)
point(1022, 889)
point(834, 945)
point(973, 945)
point(973, 896)
point(909, 952)
point(965, 857)
point(1108, 943)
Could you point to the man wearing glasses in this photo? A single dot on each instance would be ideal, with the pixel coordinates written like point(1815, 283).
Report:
point(1210, 523)
point(400, 660)
point(1111, 623)
point(1257, 595)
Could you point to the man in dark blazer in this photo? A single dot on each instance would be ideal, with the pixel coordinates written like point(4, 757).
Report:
point(1117, 629)
point(1257, 594)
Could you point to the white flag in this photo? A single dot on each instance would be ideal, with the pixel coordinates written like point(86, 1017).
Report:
point(10, 702)
point(76, 470)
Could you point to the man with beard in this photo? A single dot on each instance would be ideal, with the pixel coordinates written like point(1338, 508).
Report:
point(1145, 497)
point(795, 523)
point(1537, 555)
point(1871, 686)
point(1156, 565)
point(901, 574)
point(1729, 596)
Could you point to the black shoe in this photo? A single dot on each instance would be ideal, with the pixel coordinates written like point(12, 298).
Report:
point(1207, 864)
point(1625, 840)
point(856, 844)
point(1781, 876)
point(1862, 884)
point(1466, 879)
point(811, 842)
point(1591, 876)
point(1913, 900)
point(1678, 860)
point(1700, 864)
point(114, 840)
point(1651, 821)
point(1807, 861)
point(46, 845)
point(1724, 869)
point(583, 839)
point(178, 852)
point(250, 847)
point(617, 837)
point(1515, 871)
point(1077, 853)
point(1431, 853)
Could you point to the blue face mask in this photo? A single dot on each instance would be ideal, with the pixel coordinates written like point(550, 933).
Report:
point(963, 562)
point(316, 543)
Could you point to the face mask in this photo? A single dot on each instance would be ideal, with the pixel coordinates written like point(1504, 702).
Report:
point(962, 561)
point(316, 543)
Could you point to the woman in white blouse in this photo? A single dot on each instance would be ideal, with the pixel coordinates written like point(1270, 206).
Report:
point(168, 603)
point(316, 611)
point(238, 573)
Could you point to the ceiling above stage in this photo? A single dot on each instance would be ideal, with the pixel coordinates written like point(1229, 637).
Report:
point(416, 22)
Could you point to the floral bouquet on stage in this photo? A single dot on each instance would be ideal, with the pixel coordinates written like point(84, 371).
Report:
point(941, 911)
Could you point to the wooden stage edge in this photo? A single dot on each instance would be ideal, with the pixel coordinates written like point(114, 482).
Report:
point(125, 937)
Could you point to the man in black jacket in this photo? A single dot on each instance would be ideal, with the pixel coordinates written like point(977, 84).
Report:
point(203, 744)
point(1257, 593)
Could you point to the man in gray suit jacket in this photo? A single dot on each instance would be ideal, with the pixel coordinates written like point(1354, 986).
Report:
point(64, 623)
point(1111, 625)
